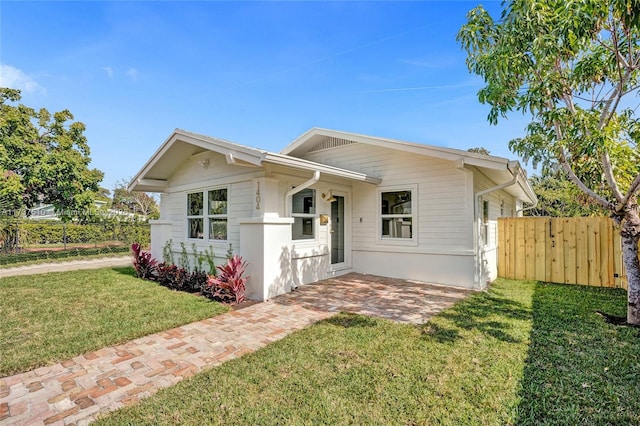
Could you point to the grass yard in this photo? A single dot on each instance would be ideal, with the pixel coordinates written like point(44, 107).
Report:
point(52, 317)
point(522, 353)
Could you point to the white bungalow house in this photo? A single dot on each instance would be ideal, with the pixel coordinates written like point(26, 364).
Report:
point(334, 202)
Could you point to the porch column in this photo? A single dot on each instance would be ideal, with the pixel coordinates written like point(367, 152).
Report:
point(160, 234)
point(265, 243)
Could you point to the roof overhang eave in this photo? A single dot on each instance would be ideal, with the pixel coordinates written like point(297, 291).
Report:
point(296, 163)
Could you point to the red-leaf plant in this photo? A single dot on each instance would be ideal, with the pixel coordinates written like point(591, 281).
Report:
point(230, 284)
point(144, 264)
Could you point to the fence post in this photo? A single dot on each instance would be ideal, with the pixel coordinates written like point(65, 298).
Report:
point(17, 240)
point(64, 234)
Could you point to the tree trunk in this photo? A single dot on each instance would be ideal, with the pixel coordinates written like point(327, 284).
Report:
point(630, 236)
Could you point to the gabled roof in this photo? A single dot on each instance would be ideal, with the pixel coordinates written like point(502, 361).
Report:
point(497, 169)
point(182, 145)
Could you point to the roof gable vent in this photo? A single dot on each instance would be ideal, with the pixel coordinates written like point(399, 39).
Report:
point(330, 142)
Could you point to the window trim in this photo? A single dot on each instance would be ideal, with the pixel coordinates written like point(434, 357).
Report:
point(413, 241)
point(190, 217)
point(224, 216)
point(486, 220)
point(312, 216)
point(206, 216)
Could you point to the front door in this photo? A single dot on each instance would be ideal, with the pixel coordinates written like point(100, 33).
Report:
point(337, 231)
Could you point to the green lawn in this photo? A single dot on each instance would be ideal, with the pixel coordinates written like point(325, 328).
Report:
point(522, 353)
point(52, 317)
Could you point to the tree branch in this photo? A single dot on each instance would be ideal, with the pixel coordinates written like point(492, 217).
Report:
point(608, 174)
point(635, 185)
point(576, 180)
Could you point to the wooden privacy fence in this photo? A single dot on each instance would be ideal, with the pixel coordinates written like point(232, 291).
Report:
point(576, 250)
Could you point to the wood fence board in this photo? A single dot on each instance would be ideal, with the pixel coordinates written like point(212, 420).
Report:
point(569, 250)
point(502, 248)
point(541, 227)
point(512, 249)
point(582, 246)
point(530, 250)
point(557, 252)
point(520, 271)
point(604, 253)
point(593, 229)
point(584, 251)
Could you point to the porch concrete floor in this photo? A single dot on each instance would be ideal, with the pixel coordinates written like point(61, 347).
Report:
point(395, 299)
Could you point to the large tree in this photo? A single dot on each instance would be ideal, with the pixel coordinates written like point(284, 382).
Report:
point(44, 158)
point(134, 201)
point(574, 67)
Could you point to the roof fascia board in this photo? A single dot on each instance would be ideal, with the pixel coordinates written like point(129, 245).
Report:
point(240, 152)
point(154, 159)
point(285, 160)
point(244, 153)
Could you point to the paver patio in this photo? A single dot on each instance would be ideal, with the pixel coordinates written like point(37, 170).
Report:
point(78, 389)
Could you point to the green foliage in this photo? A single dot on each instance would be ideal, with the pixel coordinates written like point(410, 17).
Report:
point(571, 65)
point(32, 233)
point(134, 201)
point(209, 258)
point(574, 66)
point(167, 253)
point(184, 256)
point(44, 158)
point(480, 150)
point(230, 252)
point(53, 255)
point(558, 197)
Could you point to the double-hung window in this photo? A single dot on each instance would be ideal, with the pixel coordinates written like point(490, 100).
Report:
point(195, 215)
point(303, 210)
point(207, 214)
point(397, 215)
point(217, 214)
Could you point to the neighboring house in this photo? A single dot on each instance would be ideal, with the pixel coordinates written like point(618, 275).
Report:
point(334, 202)
point(49, 212)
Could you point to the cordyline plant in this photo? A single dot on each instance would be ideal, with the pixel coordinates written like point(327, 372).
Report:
point(230, 282)
point(574, 67)
point(145, 266)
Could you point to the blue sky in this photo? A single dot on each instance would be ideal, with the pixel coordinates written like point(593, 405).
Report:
point(256, 73)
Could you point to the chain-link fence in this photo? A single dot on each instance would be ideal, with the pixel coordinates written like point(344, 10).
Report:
point(25, 241)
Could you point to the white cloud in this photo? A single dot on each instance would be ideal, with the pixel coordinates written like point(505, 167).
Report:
point(132, 74)
point(109, 71)
point(15, 78)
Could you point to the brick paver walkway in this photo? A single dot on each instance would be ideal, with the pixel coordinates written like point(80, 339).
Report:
point(398, 300)
point(76, 390)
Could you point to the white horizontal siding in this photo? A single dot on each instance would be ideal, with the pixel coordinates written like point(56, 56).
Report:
point(192, 177)
point(443, 198)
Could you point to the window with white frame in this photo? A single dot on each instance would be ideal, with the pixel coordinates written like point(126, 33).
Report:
point(207, 214)
point(195, 215)
point(485, 222)
point(303, 211)
point(217, 214)
point(397, 214)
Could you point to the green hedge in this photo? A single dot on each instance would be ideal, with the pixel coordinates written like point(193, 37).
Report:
point(35, 233)
point(11, 259)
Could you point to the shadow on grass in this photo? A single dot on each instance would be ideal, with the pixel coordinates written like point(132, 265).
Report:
point(349, 320)
point(486, 312)
point(579, 369)
point(125, 270)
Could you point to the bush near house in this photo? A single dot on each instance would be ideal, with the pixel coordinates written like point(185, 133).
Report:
point(228, 287)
